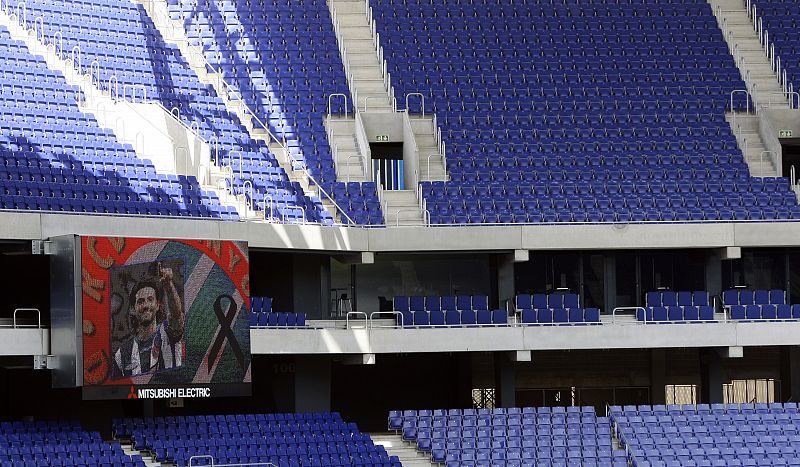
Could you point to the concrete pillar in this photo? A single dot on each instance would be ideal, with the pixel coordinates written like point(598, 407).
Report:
point(312, 383)
point(658, 376)
point(790, 373)
point(505, 279)
point(711, 376)
point(610, 282)
point(714, 274)
point(504, 380)
point(311, 281)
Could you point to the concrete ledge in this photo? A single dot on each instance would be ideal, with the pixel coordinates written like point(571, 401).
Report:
point(522, 338)
point(36, 226)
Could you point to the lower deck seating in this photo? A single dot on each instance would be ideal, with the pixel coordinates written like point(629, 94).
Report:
point(59, 443)
point(292, 440)
point(709, 435)
point(518, 437)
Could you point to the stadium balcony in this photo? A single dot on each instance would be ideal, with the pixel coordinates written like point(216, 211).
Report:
point(263, 316)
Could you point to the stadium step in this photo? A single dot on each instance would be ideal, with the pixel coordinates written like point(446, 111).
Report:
point(174, 33)
point(347, 153)
point(153, 131)
point(147, 458)
point(395, 446)
point(743, 42)
point(745, 127)
point(431, 162)
point(401, 207)
point(365, 69)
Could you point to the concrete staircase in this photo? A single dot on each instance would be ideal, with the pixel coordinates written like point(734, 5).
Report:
point(400, 207)
point(369, 83)
point(148, 458)
point(154, 132)
point(743, 42)
point(173, 32)
point(407, 454)
point(761, 81)
point(347, 154)
point(746, 128)
point(431, 160)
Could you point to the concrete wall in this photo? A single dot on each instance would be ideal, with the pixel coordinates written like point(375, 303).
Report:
point(383, 123)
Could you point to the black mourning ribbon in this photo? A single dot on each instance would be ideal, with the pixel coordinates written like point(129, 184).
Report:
point(225, 321)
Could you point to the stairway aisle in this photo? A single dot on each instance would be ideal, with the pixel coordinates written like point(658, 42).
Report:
point(395, 446)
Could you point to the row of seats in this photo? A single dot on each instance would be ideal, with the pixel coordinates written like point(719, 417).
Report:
point(709, 435)
point(122, 38)
point(667, 305)
point(291, 93)
point(277, 319)
point(433, 318)
point(568, 57)
point(308, 446)
point(510, 437)
point(59, 443)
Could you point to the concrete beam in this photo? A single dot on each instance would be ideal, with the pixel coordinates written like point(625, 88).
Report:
point(521, 256)
point(736, 351)
point(520, 356)
point(358, 257)
point(732, 252)
point(361, 359)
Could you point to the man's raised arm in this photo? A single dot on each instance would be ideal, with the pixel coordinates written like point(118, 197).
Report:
point(175, 315)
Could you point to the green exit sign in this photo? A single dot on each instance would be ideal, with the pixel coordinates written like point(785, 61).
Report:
point(382, 138)
point(785, 134)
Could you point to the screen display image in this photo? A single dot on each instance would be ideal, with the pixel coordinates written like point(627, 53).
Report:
point(164, 318)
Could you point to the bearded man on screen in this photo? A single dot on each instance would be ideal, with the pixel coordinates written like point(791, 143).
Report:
point(153, 345)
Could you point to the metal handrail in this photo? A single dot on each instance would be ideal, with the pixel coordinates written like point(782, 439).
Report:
point(38, 317)
point(356, 156)
point(75, 56)
point(330, 100)
point(133, 88)
point(238, 464)
point(421, 96)
point(245, 186)
point(356, 313)
point(185, 158)
point(627, 308)
point(394, 313)
point(289, 207)
point(232, 94)
point(429, 163)
point(271, 207)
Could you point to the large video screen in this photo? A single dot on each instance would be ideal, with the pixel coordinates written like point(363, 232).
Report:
point(164, 318)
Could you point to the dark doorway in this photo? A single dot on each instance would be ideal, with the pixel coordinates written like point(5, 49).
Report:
point(387, 165)
point(790, 147)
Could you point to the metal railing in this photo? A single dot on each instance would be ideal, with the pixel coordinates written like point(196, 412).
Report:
point(374, 314)
point(38, 317)
point(356, 314)
point(206, 457)
point(231, 95)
